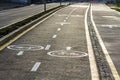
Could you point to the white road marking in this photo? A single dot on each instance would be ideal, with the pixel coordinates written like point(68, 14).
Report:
point(108, 58)
point(68, 48)
point(54, 36)
point(62, 23)
point(77, 16)
point(71, 12)
point(66, 17)
point(64, 20)
point(36, 66)
point(110, 26)
point(20, 53)
point(47, 47)
point(62, 15)
point(81, 6)
point(112, 17)
point(58, 29)
point(93, 66)
point(24, 32)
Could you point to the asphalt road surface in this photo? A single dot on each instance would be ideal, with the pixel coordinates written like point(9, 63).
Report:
point(108, 24)
point(56, 49)
point(11, 16)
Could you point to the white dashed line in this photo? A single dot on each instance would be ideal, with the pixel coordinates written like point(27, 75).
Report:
point(47, 47)
point(61, 24)
point(64, 20)
point(68, 48)
point(66, 17)
point(54, 36)
point(58, 29)
point(36, 66)
point(20, 53)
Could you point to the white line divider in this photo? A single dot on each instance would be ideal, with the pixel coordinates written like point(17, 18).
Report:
point(36, 66)
point(68, 48)
point(93, 66)
point(54, 36)
point(48, 47)
point(108, 58)
point(64, 20)
point(20, 53)
point(61, 24)
point(58, 29)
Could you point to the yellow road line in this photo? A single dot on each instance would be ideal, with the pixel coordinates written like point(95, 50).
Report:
point(24, 32)
point(108, 58)
point(93, 66)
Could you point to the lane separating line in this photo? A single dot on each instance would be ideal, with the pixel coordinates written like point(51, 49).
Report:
point(54, 36)
point(108, 58)
point(68, 48)
point(24, 32)
point(47, 47)
point(64, 20)
point(35, 67)
point(92, 61)
point(20, 53)
point(58, 29)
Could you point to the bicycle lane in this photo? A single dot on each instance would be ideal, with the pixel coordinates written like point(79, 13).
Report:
point(54, 50)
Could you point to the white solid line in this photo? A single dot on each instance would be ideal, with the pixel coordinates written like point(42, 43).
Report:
point(58, 29)
point(18, 36)
point(36, 66)
point(93, 66)
point(68, 48)
point(54, 36)
point(20, 53)
point(108, 58)
point(47, 47)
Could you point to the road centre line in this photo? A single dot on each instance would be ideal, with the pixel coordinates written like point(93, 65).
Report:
point(54, 36)
point(93, 66)
point(24, 32)
point(68, 48)
point(20, 53)
point(105, 51)
point(48, 47)
point(36, 66)
point(64, 20)
point(71, 13)
point(58, 29)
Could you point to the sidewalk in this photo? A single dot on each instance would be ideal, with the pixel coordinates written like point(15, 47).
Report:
point(108, 24)
point(4, 6)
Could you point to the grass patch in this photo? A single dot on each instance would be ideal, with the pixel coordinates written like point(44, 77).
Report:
point(114, 6)
point(11, 28)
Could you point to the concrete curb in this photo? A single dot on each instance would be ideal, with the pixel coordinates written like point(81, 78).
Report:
point(11, 35)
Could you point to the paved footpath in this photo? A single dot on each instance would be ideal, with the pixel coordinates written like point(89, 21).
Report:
point(108, 24)
point(56, 49)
